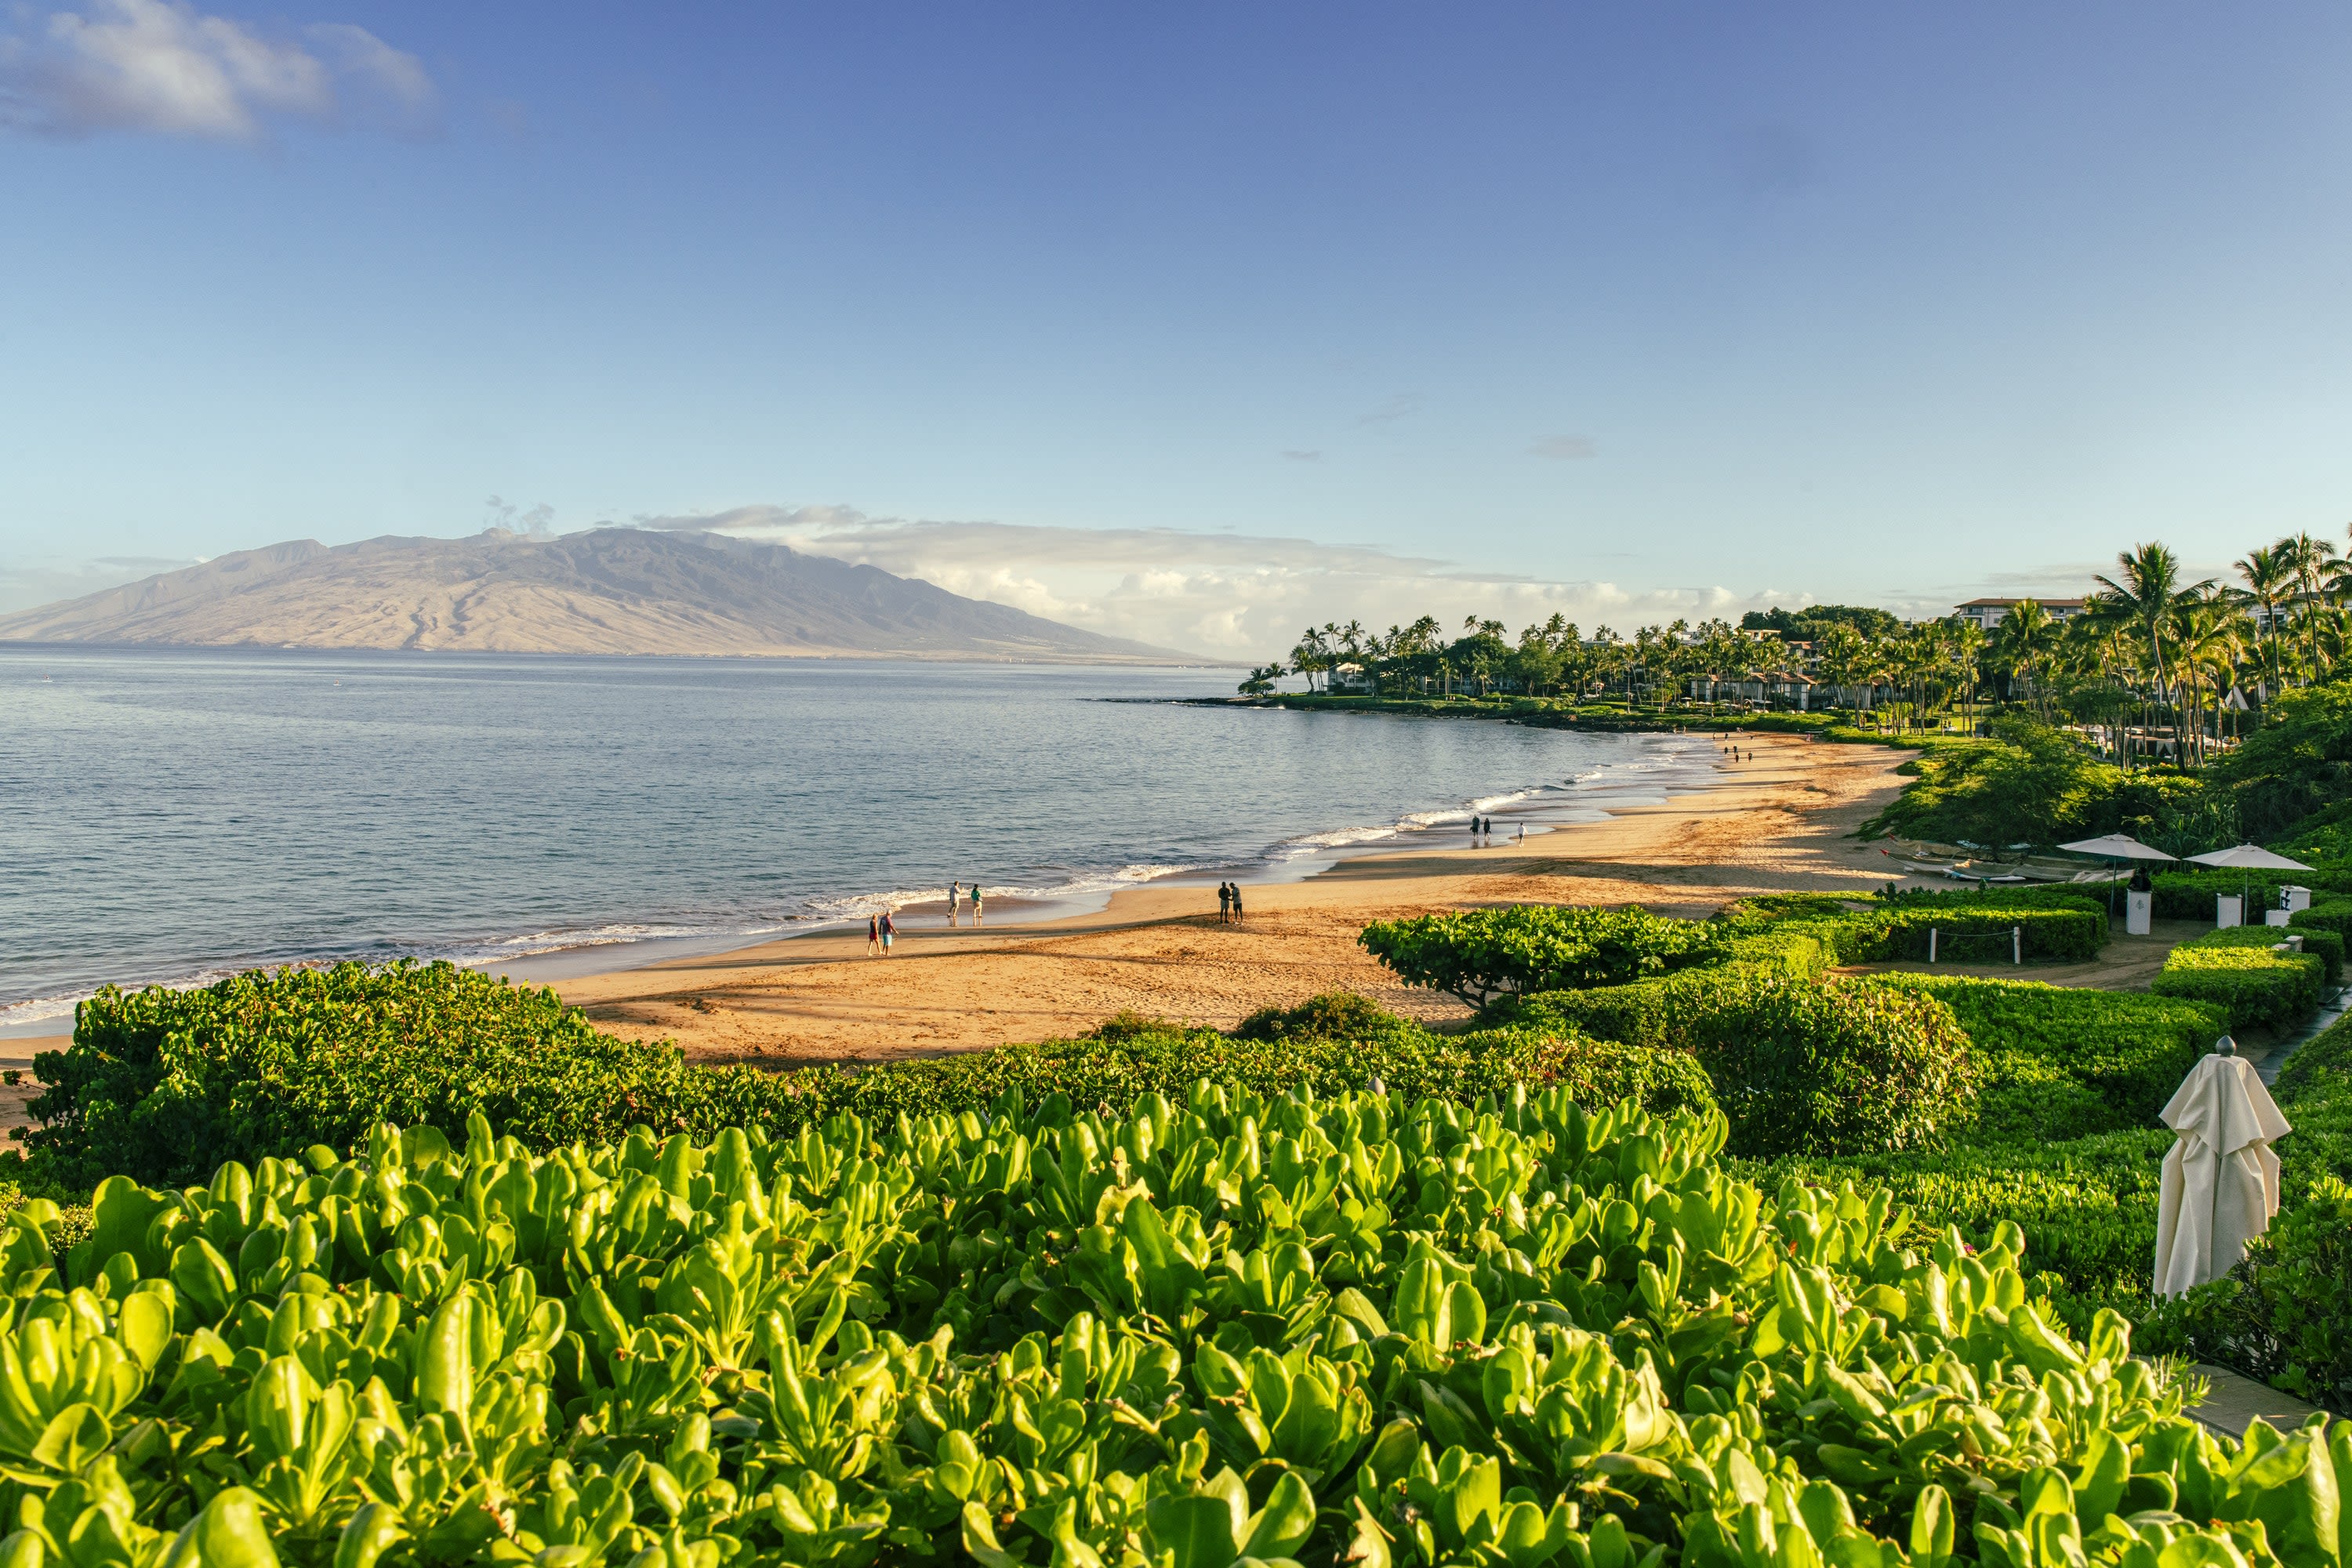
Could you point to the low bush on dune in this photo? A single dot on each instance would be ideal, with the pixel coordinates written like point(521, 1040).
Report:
point(162, 1084)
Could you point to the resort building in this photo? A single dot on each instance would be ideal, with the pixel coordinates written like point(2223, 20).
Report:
point(1990, 612)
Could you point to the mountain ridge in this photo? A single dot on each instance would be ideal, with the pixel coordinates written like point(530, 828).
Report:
point(602, 591)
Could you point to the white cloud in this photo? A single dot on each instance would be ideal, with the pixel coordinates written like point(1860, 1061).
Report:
point(1242, 597)
point(163, 66)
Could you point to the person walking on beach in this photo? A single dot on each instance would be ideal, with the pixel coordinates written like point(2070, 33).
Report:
point(889, 932)
point(873, 935)
point(1225, 903)
point(953, 888)
point(975, 906)
point(1237, 903)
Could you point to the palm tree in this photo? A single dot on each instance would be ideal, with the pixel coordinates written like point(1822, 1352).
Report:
point(2021, 644)
point(1311, 655)
point(2144, 601)
point(2269, 577)
point(2307, 559)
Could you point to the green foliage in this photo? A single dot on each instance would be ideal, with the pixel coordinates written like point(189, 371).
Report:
point(2284, 1314)
point(2029, 784)
point(2329, 914)
point(2064, 1062)
point(1974, 932)
point(1482, 955)
point(2298, 763)
point(1811, 621)
point(2322, 838)
point(161, 1083)
point(2243, 972)
point(2087, 1205)
point(1226, 1330)
point(2190, 895)
point(1797, 1065)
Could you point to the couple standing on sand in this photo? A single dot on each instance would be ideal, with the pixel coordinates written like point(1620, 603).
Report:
point(1229, 902)
point(955, 887)
point(880, 931)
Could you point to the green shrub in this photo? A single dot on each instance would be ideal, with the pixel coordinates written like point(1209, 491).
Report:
point(2005, 896)
point(1797, 1065)
point(2065, 933)
point(2190, 895)
point(1482, 955)
point(2241, 971)
point(1228, 1329)
point(160, 1084)
point(2027, 784)
point(2295, 764)
point(2324, 914)
point(2065, 1062)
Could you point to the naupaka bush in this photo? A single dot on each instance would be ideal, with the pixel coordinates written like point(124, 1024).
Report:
point(1223, 1330)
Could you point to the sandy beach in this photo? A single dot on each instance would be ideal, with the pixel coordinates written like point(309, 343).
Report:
point(1783, 820)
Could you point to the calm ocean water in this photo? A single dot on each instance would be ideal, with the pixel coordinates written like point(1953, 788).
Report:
point(167, 817)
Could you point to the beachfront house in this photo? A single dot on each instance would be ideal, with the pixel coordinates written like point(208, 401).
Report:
point(1756, 688)
point(1986, 614)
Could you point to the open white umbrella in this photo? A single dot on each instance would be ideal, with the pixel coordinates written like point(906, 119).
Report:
point(2220, 1183)
point(2248, 858)
point(2117, 846)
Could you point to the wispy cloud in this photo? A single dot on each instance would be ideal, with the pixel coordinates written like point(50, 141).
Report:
point(1403, 405)
point(164, 67)
point(1564, 448)
point(1309, 455)
point(1232, 595)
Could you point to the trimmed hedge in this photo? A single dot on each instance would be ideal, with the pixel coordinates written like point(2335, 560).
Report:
point(2241, 971)
point(1797, 1065)
point(163, 1086)
point(2324, 914)
point(2065, 933)
point(2190, 895)
point(2064, 1062)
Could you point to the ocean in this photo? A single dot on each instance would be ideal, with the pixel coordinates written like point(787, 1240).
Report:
point(168, 816)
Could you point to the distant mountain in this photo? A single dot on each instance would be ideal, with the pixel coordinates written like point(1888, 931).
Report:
point(610, 589)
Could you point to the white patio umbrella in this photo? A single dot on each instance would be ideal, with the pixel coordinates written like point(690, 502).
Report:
point(2220, 1182)
point(2114, 846)
point(2118, 846)
point(2248, 858)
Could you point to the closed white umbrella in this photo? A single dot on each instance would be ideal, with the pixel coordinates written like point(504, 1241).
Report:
point(2221, 1181)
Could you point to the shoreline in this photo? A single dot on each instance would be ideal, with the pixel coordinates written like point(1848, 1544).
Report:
point(1782, 820)
point(548, 958)
point(1778, 822)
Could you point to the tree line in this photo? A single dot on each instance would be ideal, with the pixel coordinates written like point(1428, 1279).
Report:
point(2160, 664)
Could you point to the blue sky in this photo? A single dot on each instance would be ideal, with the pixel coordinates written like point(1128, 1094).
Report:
point(1290, 311)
